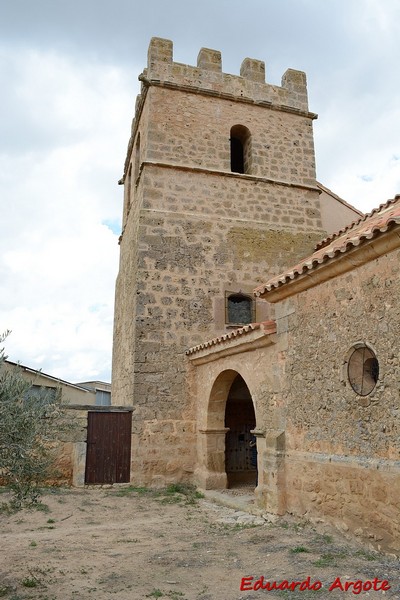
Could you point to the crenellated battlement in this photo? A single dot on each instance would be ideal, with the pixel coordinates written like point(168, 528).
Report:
point(207, 77)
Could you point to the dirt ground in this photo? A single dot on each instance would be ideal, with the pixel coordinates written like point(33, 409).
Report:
point(136, 544)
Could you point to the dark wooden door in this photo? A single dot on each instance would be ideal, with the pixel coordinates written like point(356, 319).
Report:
point(108, 455)
point(238, 451)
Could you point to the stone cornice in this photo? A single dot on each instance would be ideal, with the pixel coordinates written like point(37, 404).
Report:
point(192, 89)
point(206, 171)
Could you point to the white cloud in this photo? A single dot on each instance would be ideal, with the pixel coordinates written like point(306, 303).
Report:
point(65, 124)
point(58, 259)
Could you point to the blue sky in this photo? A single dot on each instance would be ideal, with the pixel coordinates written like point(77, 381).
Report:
point(68, 75)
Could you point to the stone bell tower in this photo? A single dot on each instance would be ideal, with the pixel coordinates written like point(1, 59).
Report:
point(219, 194)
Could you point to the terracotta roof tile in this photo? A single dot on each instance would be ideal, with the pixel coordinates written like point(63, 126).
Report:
point(267, 326)
point(376, 222)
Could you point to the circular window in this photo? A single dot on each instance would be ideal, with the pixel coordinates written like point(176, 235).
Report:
point(363, 370)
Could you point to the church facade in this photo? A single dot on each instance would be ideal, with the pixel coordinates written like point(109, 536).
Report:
point(220, 196)
point(323, 377)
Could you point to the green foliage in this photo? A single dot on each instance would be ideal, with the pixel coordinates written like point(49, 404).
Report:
point(126, 491)
point(299, 549)
point(329, 559)
point(29, 425)
point(5, 590)
point(175, 493)
point(156, 593)
point(366, 555)
point(29, 582)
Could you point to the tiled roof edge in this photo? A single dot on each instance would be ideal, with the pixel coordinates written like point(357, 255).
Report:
point(313, 261)
point(337, 234)
point(267, 326)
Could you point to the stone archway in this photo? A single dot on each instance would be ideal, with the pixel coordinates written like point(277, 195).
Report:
point(228, 393)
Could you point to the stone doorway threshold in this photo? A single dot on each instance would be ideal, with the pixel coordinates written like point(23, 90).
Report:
point(240, 498)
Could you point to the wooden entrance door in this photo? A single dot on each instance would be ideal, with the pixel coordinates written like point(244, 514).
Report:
point(108, 455)
point(238, 451)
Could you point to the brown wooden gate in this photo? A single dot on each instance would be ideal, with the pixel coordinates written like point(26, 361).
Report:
point(108, 455)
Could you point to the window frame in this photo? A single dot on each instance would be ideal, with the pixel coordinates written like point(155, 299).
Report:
point(369, 380)
point(247, 297)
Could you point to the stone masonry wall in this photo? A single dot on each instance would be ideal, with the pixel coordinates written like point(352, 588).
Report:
point(192, 230)
point(343, 449)
point(188, 129)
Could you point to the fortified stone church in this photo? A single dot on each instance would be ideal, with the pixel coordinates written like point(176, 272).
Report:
point(218, 337)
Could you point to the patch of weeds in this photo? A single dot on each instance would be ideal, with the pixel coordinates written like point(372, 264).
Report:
point(238, 526)
point(298, 527)
point(40, 506)
point(131, 489)
point(7, 509)
point(284, 524)
point(128, 541)
point(30, 582)
point(5, 590)
point(156, 593)
point(365, 555)
point(329, 559)
point(178, 492)
point(172, 499)
point(299, 549)
point(51, 520)
point(328, 539)
point(33, 544)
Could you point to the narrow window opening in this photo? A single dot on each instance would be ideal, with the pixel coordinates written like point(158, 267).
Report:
point(237, 158)
point(240, 140)
point(137, 157)
point(239, 309)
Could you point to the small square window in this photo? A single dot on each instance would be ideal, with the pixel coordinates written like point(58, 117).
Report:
point(239, 309)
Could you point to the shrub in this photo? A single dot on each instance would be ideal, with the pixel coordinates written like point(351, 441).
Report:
point(30, 422)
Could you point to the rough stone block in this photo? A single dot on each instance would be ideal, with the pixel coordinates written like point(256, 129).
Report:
point(253, 69)
point(209, 60)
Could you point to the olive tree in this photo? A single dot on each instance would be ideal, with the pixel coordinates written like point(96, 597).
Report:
point(30, 422)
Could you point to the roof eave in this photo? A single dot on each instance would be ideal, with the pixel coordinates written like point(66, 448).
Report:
point(365, 252)
point(258, 338)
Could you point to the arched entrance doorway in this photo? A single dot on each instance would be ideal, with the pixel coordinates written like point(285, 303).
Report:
point(240, 419)
point(224, 434)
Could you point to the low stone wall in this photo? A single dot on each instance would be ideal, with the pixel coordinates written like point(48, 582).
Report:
point(357, 495)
